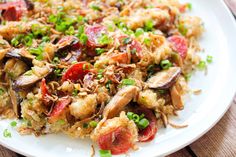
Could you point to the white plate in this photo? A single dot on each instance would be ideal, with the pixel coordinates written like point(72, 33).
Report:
point(201, 112)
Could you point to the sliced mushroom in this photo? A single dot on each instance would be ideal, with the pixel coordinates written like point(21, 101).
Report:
point(119, 101)
point(164, 79)
point(29, 5)
point(22, 55)
point(15, 100)
point(66, 43)
point(176, 98)
point(30, 78)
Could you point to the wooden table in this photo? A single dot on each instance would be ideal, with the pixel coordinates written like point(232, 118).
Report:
point(220, 141)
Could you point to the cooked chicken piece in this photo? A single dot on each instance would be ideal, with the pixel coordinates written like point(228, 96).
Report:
point(193, 26)
point(119, 101)
point(108, 125)
point(15, 68)
point(82, 108)
point(148, 99)
point(11, 29)
point(138, 18)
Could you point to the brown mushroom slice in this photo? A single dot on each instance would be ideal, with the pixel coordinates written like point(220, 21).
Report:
point(119, 101)
point(29, 5)
point(28, 79)
point(176, 98)
point(15, 101)
point(164, 79)
point(22, 55)
point(66, 43)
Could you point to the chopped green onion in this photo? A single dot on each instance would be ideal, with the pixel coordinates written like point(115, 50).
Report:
point(187, 76)
point(189, 6)
point(135, 118)
point(99, 51)
point(143, 123)
point(85, 125)
point(130, 115)
point(147, 41)
point(142, 116)
point(104, 39)
point(139, 32)
point(127, 40)
point(15, 42)
point(6, 133)
point(100, 74)
point(165, 64)
point(56, 60)
point(28, 40)
point(80, 19)
point(61, 27)
point(202, 65)
point(209, 59)
point(93, 124)
point(105, 153)
point(52, 19)
point(45, 39)
point(75, 92)
point(38, 52)
point(2, 91)
point(70, 31)
point(182, 29)
point(61, 122)
point(95, 7)
point(13, 123)
point(58, 72)
point(162, 91)
point(128, 82)
point(83, 38)
point(80, 31)
point(107, 85)
point(149, 25)
point(39, 30)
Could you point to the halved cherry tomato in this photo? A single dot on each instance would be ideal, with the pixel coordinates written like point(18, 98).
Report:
point(45, 92)
point(150, 131)
point(94, 33)
point(179, 44)
point(122, 58)
point(59, 109)
point(77, 71)
point(12, 11)
point(118, 141)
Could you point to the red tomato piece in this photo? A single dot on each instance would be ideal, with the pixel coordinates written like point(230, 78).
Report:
point(179, 44)
point(60, 106)
point(150, 131)
point(77, 71)
point(122, 58)
point(45, 92)
point(13, 10)
point(94, 33)
point(118, 141)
